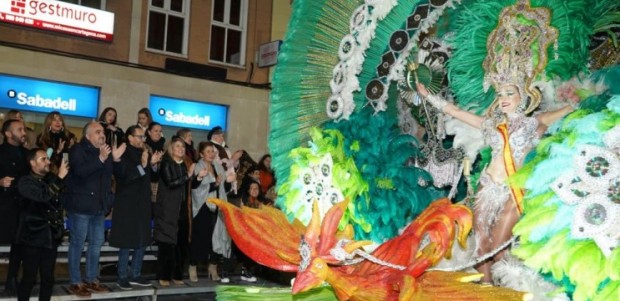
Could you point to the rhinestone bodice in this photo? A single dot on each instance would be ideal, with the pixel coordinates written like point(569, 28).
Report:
point(521, 132)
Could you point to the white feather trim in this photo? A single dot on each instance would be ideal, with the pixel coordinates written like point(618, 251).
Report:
point(465, 136)
point(460, 256)
point(512, 273)
point(351, 63)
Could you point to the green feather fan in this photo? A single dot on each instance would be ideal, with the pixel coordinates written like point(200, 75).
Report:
point(301, 79)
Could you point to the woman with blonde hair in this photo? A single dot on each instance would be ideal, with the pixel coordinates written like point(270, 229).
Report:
point(171, 213)
point(55, 138)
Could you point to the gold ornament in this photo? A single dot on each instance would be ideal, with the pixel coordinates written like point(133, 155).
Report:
point(517, 50)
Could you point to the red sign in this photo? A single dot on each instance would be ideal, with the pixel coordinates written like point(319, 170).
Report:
point(60, 17)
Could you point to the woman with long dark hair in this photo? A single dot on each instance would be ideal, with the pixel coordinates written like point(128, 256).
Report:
point(210, 240)
point(113, 133)
point(144, 118)
point(156, 142)
point(267, 177)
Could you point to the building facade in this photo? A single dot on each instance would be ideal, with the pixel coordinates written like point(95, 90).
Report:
point(199, 51)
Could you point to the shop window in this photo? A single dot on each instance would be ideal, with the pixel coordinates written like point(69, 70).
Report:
point(98, 4)
point(228, 32)
point(168, 22)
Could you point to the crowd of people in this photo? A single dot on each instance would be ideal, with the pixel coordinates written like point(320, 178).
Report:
point(155, 193)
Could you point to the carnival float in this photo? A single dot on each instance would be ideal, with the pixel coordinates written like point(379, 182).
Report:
point(443, 150)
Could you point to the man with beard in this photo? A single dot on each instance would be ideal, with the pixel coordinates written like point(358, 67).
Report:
point(131, 221)
point(41, 224)
point(13, 165)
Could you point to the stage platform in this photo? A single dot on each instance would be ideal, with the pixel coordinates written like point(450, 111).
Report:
point(204, 289)
point(203, 286)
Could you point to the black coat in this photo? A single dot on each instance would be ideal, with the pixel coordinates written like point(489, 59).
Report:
point(155, 147)
point(41, 222)
point(110, 135)
point(131, 218)
point(171, 195)
point(13, 164)
point(89, 183)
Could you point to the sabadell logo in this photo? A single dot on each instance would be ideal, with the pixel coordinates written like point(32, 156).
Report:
point(182, 118)
point(56, 103)
point(58, 9)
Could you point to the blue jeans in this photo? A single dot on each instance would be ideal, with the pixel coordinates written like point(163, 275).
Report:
point(82, 226)
point(136, 263)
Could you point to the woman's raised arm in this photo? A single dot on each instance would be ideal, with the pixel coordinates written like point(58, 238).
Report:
point(450, 109)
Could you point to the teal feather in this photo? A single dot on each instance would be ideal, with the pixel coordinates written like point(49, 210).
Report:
point(580, 262)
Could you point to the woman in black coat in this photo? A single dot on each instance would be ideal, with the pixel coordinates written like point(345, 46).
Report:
point(113, 133)
point(172, 214)
point(155, 141)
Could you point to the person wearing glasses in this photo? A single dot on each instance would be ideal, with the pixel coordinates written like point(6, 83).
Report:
point(131, 221)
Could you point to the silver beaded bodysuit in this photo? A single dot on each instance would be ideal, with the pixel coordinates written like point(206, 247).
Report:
point(492, 196)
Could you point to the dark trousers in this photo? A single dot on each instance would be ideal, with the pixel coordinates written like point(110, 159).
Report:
point(213, 258)
point(169, 262)
point(183, 247)
point(15, 260)
point(172, 259)
point(37, 260)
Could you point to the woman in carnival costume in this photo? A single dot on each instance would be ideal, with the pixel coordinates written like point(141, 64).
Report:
point(511, 66)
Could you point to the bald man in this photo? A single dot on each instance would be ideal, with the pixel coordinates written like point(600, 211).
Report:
point(87, 200)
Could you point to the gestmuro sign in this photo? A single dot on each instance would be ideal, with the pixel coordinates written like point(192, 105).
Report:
point(190, 114)
point(29, 94)
point(59, 16)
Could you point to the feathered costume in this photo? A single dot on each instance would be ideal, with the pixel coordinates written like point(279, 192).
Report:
point(346, 123)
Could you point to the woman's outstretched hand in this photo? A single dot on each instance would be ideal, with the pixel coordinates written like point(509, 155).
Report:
point(421, 89)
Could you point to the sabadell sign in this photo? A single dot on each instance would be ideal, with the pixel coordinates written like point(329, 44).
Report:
point(37, 95)
point(59, 16)
point(187, 114)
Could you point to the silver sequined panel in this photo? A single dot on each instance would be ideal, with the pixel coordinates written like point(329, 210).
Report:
point(522, 135)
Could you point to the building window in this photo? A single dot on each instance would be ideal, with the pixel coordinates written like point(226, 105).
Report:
point(168, 21)
point(228, 32)
point(98, 4)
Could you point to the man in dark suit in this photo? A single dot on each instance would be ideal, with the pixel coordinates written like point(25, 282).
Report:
point(13, 165)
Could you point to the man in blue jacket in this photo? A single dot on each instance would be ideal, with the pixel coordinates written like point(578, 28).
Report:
point(87, 200)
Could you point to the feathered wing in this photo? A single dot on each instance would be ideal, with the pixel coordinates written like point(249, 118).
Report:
point(438, 222)
point(456, 286)
point(265, 235)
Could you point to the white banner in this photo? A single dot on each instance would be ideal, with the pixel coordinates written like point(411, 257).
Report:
point(59, 16)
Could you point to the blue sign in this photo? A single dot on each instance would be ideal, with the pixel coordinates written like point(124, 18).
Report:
point(29, 94)
point(187, 114)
